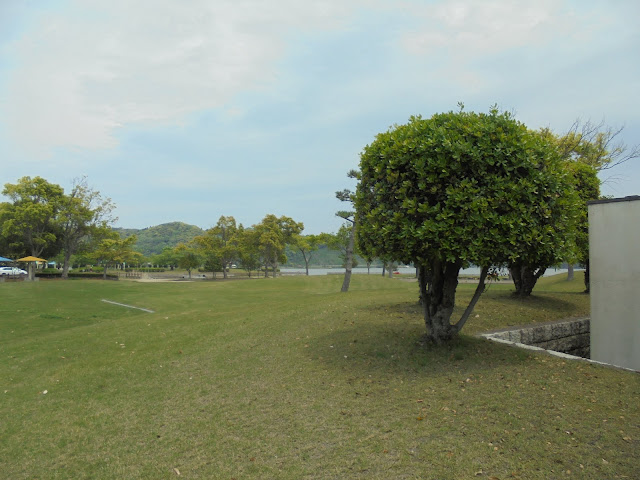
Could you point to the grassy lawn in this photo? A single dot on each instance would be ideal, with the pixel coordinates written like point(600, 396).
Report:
point(289, 378)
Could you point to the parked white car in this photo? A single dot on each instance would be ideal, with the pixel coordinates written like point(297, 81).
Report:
point(12, 271)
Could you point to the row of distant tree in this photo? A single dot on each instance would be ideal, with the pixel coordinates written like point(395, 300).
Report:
point(261, 247)
point(43, 220)
point(76, 227)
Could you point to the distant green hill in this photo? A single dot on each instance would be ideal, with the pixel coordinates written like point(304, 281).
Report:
point(153, 240)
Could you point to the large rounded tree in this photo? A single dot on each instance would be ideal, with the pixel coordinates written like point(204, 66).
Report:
point(457, 189)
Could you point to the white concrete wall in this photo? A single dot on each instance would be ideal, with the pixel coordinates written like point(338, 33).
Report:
point(614, 256)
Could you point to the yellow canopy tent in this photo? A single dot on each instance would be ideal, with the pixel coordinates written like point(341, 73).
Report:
point(30, 261)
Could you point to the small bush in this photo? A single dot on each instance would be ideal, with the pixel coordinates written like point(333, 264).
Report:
point(49, 270)
point(49, 273)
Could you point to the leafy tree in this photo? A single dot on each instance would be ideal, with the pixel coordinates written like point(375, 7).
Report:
point(213, 264)
point(306, 245)
point(248, 249)
point(556, 217)
point(188, 257)
point(271, 237)
point(347, 195)
point(167, 258)
point(219, 244)
point(30, 218)
point(11, 242)
point(83, 214)
point(368, 260)
point(115, 250)
point(587, 186)
point(596, 144)
point(344, 242)
point(457, 189)
point(598, 147)
point(388, 266)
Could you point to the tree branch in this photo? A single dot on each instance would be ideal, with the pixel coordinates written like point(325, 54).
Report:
point(476, 296)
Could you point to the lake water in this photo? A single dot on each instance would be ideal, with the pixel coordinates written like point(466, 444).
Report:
point(403, 270)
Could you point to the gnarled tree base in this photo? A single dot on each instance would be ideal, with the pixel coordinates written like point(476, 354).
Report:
point(525, 278)
point(438, 282)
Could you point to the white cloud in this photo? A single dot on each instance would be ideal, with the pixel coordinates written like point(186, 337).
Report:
point(467, 28)
point(81, 73)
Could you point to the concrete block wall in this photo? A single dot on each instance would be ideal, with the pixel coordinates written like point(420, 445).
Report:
point(568, 336)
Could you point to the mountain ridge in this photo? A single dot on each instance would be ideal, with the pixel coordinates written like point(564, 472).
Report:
point(152, 240)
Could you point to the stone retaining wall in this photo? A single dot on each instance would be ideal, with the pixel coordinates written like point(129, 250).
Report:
point(566, 336)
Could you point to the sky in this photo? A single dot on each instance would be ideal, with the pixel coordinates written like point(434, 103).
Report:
point(186, 111)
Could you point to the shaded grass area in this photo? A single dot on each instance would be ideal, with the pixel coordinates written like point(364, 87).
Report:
point(288, 378)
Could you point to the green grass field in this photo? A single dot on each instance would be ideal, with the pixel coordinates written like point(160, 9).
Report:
point(288, 378)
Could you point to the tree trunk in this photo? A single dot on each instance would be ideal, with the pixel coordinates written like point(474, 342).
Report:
point(384, 268)
point(424, 278)
point(31, 272)
point(570, 274)
point(437, 283)
point(349, 260)
point(440, 299)
point(525, 278)
point(65, 266)
point(306, 262)
point(476, 296)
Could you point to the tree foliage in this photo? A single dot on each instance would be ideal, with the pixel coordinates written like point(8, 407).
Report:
point(30, 218)
point(306, 245)
point(588, 149)
point(349, 216)
point(115, 250)
point(43, 221)
point(166, 258)
point(219, 244)
point(271, 236)
point(85, 215)
point(188, 257)
point(554, 239)
point(460, 188)
point(340, 241)
point(587, 186)
point(597, 145)
point(248, 249)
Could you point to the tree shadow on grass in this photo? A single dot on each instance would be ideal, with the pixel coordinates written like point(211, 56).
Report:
point(547, 300)
point(390, 341)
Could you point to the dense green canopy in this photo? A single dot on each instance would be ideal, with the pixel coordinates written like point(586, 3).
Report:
point(462, 188)
point(479, 188)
